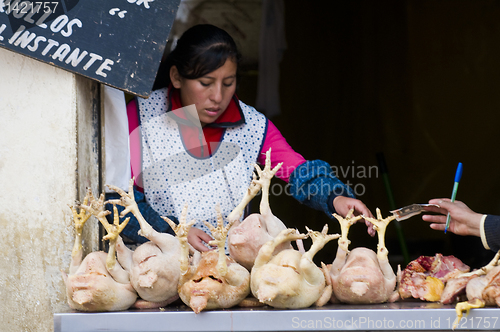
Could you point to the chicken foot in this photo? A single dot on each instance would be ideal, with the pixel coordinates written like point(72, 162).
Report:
point(127, 200)
point(219, 234)
point(265, 176)
point(345, 224)
point(181, 231)
point(113, 231)
point(465, 307)
point(319, 240)
point(80, 219)
point(380, 225)
point(91, 206)
point(343, 242)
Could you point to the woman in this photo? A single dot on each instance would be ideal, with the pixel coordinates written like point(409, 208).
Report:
point(193, 141)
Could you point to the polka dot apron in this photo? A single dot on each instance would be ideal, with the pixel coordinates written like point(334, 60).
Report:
point(172, 177)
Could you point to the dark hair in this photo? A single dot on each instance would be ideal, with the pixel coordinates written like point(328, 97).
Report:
point(201, 49)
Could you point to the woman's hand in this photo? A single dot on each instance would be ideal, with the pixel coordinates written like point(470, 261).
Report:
point(463, 221)
point(196, 237)
point(343, 204)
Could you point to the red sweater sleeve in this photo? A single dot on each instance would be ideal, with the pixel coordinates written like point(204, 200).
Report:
point(281, 152)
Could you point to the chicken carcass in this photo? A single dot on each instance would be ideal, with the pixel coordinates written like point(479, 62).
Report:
point(154, 265)
point(290, 279)
point(247, 237)
point(98, 283)
point(425, 277)
point(456, 284)
point(361, 276)
point(211, 280)
point(482, 288)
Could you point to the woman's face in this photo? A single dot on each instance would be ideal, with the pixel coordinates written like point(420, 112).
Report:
point(210, 94)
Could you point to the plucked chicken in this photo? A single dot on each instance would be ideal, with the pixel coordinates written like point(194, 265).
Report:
point(482, 288)
point(290, 279)
point(360, 275)
point(211, 279)
point(454, 289)
point(154, 265)
point(247, 237)
point(98, 283)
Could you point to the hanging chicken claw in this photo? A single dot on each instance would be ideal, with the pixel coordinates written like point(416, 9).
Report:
point(380, 225)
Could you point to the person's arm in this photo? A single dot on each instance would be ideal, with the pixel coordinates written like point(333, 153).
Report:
point(151, 216)
point(491, 232)
point(312, 183)
point(463, 220)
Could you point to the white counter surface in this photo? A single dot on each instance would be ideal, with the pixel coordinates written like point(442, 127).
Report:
point(399, 316)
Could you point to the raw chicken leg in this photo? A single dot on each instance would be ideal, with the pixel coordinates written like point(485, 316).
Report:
point(97, 283)
point(245, 238)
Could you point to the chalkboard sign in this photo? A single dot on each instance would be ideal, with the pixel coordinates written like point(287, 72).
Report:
point(116, 42)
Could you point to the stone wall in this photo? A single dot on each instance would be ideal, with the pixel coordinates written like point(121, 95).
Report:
point(44, 112)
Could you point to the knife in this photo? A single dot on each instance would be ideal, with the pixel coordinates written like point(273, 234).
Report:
point(410, 211)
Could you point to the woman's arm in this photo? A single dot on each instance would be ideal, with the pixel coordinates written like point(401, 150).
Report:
point(312, 183)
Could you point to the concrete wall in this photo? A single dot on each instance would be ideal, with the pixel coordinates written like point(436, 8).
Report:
point(47, 121)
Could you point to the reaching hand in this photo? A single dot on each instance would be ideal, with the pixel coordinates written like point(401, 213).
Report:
point(196, 237)
point(343, 204)
point(463, 221)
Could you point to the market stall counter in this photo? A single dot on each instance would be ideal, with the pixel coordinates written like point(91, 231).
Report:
point(399, 316)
